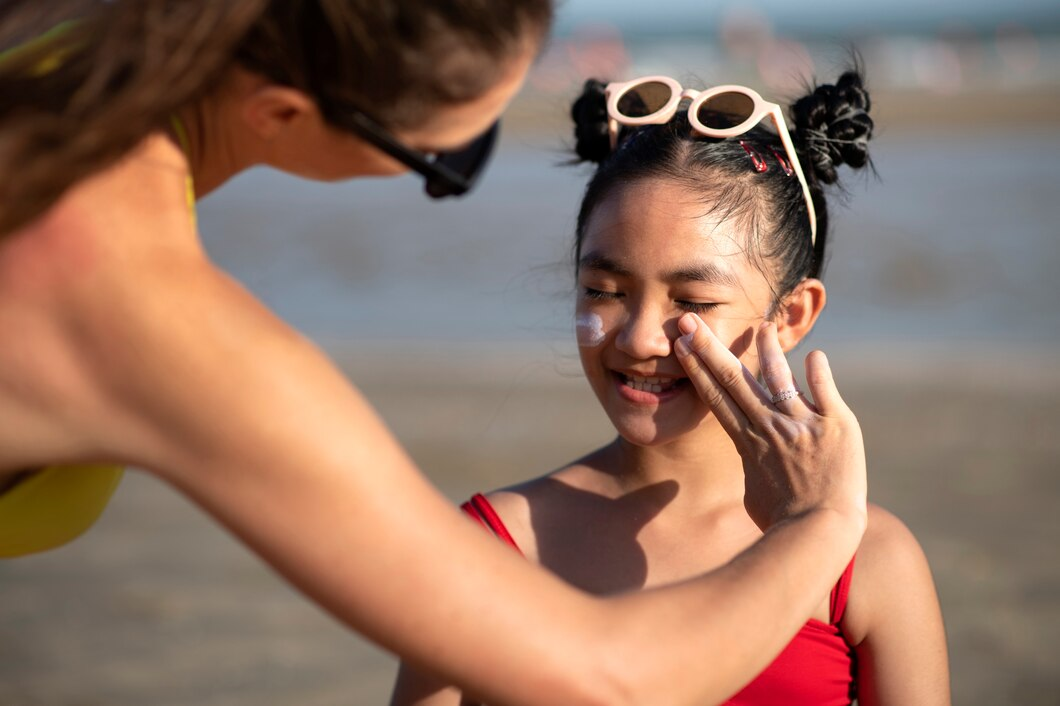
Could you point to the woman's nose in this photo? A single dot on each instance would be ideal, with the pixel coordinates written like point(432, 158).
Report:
point(647, 334)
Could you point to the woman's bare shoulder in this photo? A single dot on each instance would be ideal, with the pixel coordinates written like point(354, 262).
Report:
point(112, 293)
point(139, 200)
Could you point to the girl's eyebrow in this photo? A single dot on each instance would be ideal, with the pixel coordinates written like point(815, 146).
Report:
point(597, 261)
point(707, 272)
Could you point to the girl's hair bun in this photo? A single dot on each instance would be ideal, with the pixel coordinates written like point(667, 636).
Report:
point(589, 113)
point(833, 126)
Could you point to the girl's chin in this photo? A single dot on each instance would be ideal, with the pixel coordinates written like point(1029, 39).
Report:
point(649, 435)
point(658, 428)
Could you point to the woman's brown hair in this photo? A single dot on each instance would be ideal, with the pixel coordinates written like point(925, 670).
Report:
point(107, 74)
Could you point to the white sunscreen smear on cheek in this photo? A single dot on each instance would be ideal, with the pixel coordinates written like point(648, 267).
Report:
point(589, 329)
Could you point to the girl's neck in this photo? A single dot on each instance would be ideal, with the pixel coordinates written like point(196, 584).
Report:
point(704, 463)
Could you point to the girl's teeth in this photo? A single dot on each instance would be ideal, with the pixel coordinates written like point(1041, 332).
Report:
point(648, 384)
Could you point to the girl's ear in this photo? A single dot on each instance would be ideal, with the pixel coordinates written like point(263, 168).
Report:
point(799, 311)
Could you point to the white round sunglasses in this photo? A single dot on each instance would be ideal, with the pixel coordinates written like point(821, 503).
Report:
point(653, 100)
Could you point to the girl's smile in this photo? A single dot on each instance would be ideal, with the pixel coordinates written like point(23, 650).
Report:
point(650, 389)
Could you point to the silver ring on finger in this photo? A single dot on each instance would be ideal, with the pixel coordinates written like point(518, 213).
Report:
point(789, 393)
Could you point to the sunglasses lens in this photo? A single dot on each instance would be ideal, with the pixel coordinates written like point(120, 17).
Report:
point(725, 110)
point(644, 99)
point(465, 164)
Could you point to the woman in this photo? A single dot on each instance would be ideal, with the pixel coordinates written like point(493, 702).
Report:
point(124, 344)
point(709, 214)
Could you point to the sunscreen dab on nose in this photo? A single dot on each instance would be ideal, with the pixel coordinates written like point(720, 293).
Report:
point(589, 329)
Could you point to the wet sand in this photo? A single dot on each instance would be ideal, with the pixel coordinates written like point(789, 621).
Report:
point(157, 605)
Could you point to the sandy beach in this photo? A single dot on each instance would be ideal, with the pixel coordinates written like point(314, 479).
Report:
point(157, 605)
point(954, 244)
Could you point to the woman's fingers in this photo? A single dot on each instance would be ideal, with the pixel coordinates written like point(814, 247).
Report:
point(719, 376)
point(822, 386)
point(775, 370)
point(798, 455)
point(728, 413)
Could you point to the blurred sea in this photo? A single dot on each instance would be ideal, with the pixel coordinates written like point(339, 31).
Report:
point(955, 239)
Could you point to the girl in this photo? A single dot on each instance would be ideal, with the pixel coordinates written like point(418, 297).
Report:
point(702, 212)
point(124, 345)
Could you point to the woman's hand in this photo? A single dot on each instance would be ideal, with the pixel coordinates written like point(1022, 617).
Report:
point(799, 455)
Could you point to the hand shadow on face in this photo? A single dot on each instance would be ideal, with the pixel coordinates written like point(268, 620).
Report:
point(590, 540)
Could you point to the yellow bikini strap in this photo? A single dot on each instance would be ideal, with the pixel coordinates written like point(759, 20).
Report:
point(185, 147)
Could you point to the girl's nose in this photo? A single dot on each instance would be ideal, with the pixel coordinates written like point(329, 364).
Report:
point(647, 333)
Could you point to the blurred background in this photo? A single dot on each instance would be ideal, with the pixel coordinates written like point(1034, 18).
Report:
point(455, 319)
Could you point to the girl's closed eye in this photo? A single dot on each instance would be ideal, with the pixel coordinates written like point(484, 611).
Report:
point(698, 307)
point(600, 294)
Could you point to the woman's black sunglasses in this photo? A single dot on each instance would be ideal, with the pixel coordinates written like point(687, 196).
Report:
point(447, 173)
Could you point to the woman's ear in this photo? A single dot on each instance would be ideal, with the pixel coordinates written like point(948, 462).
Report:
point(799, 311)
point(271, 108)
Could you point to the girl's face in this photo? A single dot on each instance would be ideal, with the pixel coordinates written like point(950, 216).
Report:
point(651, 252)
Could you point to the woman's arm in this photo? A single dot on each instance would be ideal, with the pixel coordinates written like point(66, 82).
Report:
point(258, 427)
point(171, 366)
point(893, 618)
point(418, 688)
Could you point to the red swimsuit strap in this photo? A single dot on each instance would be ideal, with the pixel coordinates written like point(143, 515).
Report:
point(479, 509)
point(838, 603)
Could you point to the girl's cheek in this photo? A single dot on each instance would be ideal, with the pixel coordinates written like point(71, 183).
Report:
point(589, 329)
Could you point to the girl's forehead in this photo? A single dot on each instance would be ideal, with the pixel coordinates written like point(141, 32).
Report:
point(661, 220)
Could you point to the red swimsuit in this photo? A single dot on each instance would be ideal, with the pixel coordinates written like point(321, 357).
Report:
point(817, 668)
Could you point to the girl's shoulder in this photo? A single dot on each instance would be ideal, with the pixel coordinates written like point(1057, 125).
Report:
point(512, 506)
point(890, 566)
point(526, 506)
point(884, 532)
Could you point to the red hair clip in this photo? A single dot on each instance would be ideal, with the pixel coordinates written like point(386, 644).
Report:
point(756, 158)
point(784, 163)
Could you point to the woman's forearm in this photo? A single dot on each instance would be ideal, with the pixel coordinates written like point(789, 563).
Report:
point(693, 643)
point(261, 430)
point(397, 563)
point(702, 640)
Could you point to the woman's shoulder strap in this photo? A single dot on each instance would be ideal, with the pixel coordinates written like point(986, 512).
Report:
point(479, 509)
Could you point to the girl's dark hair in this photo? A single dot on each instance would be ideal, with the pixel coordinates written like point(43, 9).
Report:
point(83, 81)
point(829, 127)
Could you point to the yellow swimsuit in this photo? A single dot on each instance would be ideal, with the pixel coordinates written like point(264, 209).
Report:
point(56, 504)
